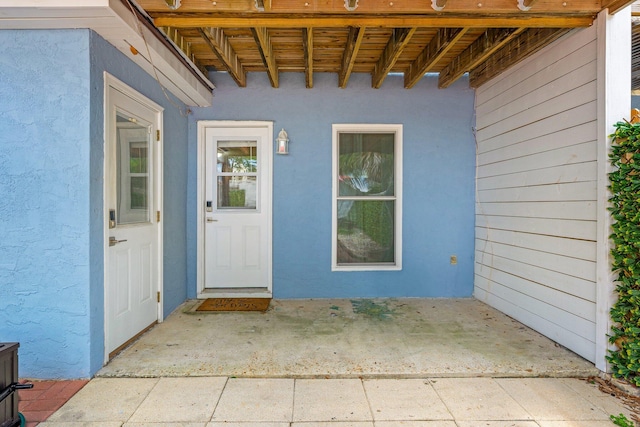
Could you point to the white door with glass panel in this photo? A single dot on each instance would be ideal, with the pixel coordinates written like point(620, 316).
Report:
point(236, 207)
point(132, 200)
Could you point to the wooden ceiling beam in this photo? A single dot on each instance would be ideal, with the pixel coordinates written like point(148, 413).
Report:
point(616, 5)
point(261, 35)
point(219, 44)
point(263, 5)
point(521, 47)
point(307, 44)
point(184, 46)
point(492, 40)
point(444, 40)
point(474, 7)
point(271, 20)
point(354, 40)
point(399, 39)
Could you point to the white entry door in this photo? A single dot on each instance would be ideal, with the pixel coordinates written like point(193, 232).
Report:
point(236, 206)
point(132, 199)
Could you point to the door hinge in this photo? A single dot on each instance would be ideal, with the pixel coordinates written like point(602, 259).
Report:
point(158, 296)
point(158, 135)
point(157, 216)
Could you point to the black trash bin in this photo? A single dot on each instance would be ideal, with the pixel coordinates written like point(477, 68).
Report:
point(9, 386)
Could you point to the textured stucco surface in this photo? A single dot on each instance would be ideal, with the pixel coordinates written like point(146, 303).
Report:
point(44, 200)
point(51, 196)
point(439, 164)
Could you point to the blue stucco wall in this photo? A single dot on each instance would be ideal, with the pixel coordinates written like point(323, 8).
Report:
point(439, 174)
point(45, 265)
point(51, 196)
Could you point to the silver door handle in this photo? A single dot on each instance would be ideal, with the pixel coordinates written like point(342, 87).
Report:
point(211, 220)
point(113, 241)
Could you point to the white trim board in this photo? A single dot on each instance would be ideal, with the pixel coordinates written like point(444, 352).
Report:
point(116, 23)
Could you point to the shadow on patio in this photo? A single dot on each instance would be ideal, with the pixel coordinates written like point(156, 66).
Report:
point(398, 338)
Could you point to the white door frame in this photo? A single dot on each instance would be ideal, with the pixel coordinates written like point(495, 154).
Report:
point(200, 209)
point(111, 82)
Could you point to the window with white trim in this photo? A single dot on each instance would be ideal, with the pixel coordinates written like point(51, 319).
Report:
point(367, 197)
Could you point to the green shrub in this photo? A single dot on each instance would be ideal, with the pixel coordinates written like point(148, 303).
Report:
point(624, 183)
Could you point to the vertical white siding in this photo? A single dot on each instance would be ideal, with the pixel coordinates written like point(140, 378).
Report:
point(536, 192)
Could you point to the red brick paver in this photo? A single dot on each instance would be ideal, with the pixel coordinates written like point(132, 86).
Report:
point(46, 397)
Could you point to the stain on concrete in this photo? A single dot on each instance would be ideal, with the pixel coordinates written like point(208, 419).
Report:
point(372, 309)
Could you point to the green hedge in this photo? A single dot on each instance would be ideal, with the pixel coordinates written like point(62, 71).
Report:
point(625, 210)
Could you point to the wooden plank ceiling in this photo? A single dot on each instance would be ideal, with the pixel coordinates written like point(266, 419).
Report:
point(378, 37)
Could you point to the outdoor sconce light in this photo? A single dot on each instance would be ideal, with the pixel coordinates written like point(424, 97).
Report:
point(282, 143)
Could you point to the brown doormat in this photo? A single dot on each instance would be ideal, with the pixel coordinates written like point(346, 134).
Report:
point(235, 304)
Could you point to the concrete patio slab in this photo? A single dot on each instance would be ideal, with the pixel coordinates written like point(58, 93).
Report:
point(342, 400)
point(471, 402)
point(389, 338)
point(411, 399)
point(181, 400)
point(256, 400)
point(478, 399)
point(549, 399)
point(105, 400)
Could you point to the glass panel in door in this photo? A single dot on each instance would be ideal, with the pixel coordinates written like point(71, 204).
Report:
point(237, 175)
point(133, 170)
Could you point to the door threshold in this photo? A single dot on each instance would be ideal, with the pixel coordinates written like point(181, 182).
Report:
point(235, 293)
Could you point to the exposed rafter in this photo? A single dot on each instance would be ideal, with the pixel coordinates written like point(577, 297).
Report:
point(522, 46)
point(307, 45)
point(399, 39)
point(616, 5)
point(354, 40)
point(492, 40)
point(449, 37)
point(183, 45)
point(217, 41)
point(444, 40)
point(274, 20)
point(263, 41)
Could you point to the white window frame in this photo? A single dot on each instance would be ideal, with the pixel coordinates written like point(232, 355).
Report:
point(396, 129)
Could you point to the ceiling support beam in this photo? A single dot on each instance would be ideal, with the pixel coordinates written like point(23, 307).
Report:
point(261, 35)
point(444, 40)
point(307, 45)
point(399, 39)
point(492, 40)
point(184, 46)
point(616, 5)
point(263, 5)
point(219, 44)
point(275, 20)
point(521, 47)
point(354, 40)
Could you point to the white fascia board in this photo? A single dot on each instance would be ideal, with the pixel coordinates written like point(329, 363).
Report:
point(116, 23)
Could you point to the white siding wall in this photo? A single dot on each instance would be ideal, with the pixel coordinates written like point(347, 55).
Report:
point(536, 192)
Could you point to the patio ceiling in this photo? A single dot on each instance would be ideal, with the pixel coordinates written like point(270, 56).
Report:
point(378, 37)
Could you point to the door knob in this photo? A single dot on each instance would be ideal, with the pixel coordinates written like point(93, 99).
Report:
point(113, 241)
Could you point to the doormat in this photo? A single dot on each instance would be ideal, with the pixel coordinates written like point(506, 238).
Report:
point(234, 304)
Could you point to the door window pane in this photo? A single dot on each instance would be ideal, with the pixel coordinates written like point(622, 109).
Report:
point(237, 174)
point(133, 171)
point(237, 156)
point(237, 192)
